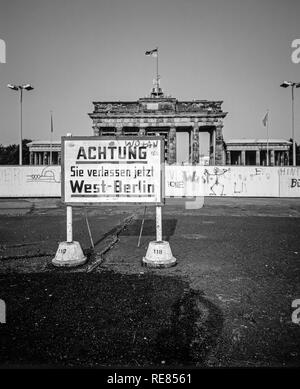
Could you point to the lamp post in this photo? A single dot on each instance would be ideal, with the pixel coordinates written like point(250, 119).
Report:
point(292, 84)
point(20, 88)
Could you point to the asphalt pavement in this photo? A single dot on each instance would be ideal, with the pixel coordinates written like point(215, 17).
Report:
point(227, 302)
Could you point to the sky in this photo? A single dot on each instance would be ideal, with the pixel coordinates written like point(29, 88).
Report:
point(75, 52)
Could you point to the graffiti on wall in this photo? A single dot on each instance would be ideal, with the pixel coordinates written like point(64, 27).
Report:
point(183, 181)
point(289, 178)
point(180, 181)
point(30, 181)
point(249, 181)
point(214, 180)
point(223, 181)
point(48, 174)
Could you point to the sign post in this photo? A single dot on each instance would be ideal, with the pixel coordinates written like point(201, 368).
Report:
point(69, 224)
point(159, 252)
point(69, 253)
point(158, 224)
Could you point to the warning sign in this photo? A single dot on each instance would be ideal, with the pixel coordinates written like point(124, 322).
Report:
point(112, 170)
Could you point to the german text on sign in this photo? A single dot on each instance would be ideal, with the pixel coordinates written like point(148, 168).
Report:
point(112, 170)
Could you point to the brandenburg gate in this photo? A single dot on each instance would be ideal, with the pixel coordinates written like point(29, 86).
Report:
point(166, 116)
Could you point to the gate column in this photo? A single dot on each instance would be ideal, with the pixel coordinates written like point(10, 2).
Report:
point(195, 144)
point(172, 146)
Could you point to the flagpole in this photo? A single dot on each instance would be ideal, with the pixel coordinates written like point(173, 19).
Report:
point(268, 138)
point(51, 129)
point(157, 83)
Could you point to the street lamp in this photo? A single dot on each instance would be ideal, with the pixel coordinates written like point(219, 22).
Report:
point(20, 88)
point(292, 84)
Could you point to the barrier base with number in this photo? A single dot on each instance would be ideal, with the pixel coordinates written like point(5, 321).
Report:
point(69, 254)
point(159, 255)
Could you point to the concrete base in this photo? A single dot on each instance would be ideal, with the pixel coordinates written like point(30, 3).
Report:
point(159, 255)
point(69, 254)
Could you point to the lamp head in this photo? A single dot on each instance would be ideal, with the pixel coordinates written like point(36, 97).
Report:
point(27, 87)
point(286, 84)
point(13, 87)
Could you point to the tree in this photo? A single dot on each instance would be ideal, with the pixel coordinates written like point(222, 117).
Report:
point(9, 155)
point(291, 153)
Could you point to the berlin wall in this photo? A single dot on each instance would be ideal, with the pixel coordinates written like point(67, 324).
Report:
point(30, 181)
point(232, 181)
point(189, 181)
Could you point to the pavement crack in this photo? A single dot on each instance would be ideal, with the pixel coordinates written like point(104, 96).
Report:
point(112, 238)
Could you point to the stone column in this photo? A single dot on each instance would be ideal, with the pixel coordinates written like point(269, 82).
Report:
point(44, 158)
point(190, 146)
point(142, 131)
point(119, 130)
point(195, 144)
point(257, 157)
point(224, 156)
point(218, 145)
point(95, 131)
point(286, 158)
point(228, 157)
point(277, 158)
point(243, 157)
point(35, 158)
point(211, 148)
point(96, 128)
point(272, 159)
point(172, 146)
point(59, 158)
point(30, 158)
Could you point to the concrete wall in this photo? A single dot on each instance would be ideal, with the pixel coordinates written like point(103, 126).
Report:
point(30, 181)
point(289, 181)
point(237, 181)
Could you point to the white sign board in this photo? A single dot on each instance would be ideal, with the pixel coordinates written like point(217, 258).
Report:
point(112, 170)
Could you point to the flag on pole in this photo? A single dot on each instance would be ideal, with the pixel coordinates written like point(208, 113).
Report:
point(265, 119)
point(153, 52)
